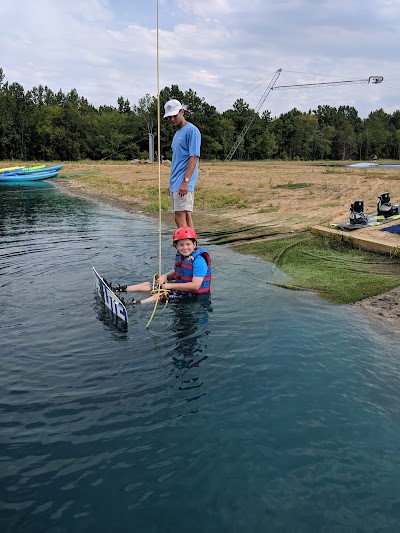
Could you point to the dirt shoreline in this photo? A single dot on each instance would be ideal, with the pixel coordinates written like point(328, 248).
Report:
point(384, 306)
point(272, 212)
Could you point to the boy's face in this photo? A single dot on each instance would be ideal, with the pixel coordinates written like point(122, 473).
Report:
point(185, 247)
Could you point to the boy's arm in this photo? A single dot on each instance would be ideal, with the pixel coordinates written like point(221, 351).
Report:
point(165, 277)
point(190, 286)
point(199, 268)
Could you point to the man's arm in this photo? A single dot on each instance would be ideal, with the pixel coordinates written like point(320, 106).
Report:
point(193, 160)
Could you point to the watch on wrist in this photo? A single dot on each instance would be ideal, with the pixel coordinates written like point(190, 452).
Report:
point(186, 180)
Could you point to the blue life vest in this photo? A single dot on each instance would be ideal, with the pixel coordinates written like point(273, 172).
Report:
point(183, 267)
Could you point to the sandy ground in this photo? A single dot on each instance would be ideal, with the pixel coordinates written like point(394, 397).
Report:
point(385, 306)
point(277, 204)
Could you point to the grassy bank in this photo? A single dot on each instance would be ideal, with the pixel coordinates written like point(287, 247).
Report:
point(337, 271)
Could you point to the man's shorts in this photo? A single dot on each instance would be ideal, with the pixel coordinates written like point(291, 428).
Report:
point(182, 203)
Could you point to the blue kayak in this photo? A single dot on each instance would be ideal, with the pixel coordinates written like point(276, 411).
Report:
point(32, 176)
point(27, 170)
point(46, 169)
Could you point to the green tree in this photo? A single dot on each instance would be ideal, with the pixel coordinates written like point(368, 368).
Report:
point(289, 133)
point(18, 110)
point(377, 130)
point(43, 124)
point(241, 115)
point(49, 132)
point(345, 141)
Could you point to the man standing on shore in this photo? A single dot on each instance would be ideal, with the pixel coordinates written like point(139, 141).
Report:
point(185, 163)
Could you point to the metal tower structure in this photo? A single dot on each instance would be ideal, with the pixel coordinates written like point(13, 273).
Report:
point(271, 87)
point(252, 118)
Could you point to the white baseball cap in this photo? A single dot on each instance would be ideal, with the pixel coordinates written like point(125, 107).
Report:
point(172, 107)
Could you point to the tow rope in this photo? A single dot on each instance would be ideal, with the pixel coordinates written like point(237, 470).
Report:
point(156, 276)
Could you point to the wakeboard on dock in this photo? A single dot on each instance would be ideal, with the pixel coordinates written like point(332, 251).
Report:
point(109, 298)
point(373, 220)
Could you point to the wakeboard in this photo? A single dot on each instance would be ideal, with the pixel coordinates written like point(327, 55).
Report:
point(373, 220)
point(392, 229)
point(109, 298)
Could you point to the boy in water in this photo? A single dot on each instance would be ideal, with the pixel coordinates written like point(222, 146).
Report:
point(191, 273)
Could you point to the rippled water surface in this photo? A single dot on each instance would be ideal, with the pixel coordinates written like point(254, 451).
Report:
point(261, 410)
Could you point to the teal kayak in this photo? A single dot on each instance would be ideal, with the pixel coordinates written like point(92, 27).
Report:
point(33, 176)
point(28, 170)
point(31, 170)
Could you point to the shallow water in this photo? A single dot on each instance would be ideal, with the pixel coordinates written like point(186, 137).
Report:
point(260, 410)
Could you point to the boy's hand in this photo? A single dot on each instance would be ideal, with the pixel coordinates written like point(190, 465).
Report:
point(162, 279)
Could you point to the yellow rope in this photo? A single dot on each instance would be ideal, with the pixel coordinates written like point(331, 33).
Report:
point(159, 290)
point(152, 314)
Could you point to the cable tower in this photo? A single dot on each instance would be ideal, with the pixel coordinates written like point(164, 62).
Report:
point(252, 118)
point(271, 87)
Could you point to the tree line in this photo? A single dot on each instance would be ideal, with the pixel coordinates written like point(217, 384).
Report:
point(39, 124)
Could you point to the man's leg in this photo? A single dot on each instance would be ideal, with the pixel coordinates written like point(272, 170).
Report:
point(183, 207)
point(183, 219)
point(189, 220)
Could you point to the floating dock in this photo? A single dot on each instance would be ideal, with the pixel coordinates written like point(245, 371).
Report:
point(369, 238)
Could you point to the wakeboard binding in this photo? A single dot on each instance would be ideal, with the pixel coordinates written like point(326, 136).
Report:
point(357, 216)
point(385, 206)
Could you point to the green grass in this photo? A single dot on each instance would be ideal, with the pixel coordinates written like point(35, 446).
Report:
point(212, 199)
point(205, 198)
point(337, 271)
point(84, 174)
point(270, 209)
point(153, 207)
point(291, 185)
point(332, 171)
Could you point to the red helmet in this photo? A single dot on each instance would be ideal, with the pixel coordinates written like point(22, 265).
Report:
point(184, 233)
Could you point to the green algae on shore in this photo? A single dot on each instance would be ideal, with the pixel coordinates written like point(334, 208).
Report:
point(339, 272)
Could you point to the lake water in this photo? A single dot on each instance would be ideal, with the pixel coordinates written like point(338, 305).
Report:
point(260, 410)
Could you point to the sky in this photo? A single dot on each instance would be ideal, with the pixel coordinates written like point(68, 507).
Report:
point(221, 49)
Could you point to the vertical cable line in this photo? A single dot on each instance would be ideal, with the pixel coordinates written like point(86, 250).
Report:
point(158, 146)
point(159, 166)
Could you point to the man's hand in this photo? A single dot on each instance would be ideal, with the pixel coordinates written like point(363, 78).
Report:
point(184, 188)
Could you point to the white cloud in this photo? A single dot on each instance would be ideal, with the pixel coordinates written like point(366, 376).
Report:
point(106, 49)
point(206, 8)
point(203, 77)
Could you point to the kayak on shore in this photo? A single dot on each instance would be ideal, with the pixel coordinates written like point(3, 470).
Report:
point(39, 172)
point(34, 176)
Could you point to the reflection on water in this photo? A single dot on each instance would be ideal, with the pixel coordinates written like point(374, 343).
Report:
point(258, 409)
point(108, 318)
point(189, 327)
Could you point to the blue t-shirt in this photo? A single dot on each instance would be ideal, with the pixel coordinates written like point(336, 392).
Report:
point(185, 144)
point(200, 267)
